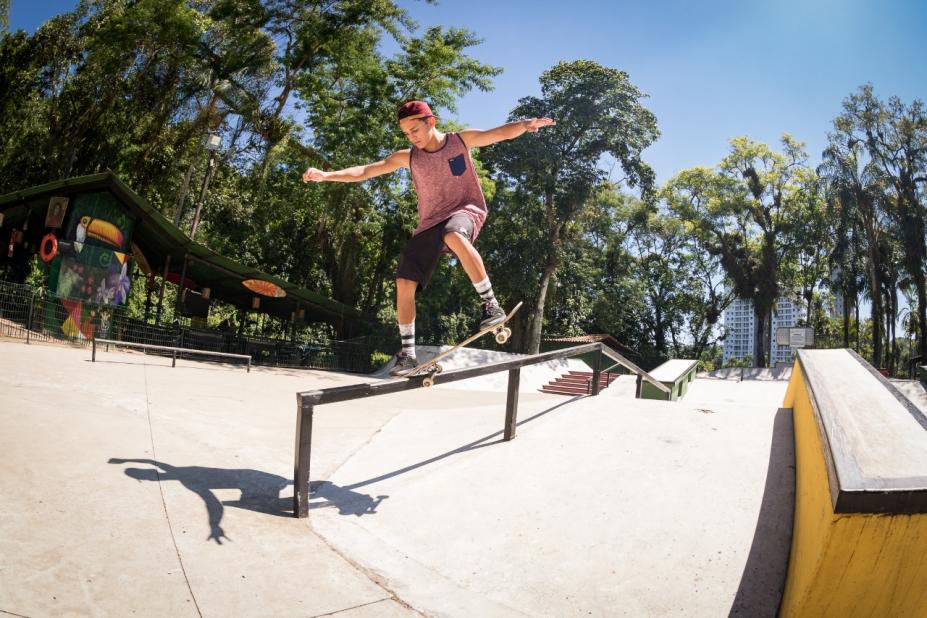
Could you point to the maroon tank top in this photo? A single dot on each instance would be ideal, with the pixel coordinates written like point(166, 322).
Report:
point(446, 184)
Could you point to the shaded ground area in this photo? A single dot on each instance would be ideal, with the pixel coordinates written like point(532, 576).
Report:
point(131, 487)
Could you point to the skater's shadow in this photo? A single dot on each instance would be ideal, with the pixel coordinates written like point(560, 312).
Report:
point(260, 491)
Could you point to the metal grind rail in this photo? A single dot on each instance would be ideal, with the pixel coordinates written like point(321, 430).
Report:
point(308, 400)
point(163, 348)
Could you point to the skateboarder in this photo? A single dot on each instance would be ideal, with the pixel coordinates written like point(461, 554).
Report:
point(451, 209)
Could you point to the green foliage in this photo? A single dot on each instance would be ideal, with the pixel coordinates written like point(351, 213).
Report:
point(745, 361)
point(378, 359)
point(554, 175)
point(876, 158)
point(136, 85)
point(744, 212)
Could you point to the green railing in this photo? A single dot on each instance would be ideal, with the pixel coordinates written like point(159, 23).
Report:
point(35, 314)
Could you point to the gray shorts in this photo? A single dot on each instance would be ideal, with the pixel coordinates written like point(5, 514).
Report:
point(419, 259)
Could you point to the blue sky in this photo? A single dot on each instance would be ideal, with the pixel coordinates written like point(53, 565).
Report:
point(713, 70)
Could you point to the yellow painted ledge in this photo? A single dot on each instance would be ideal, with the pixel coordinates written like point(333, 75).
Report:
point(846, 564)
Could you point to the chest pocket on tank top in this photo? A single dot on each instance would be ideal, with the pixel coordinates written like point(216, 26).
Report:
point(458, 165)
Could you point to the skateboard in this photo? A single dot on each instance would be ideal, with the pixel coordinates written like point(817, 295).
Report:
point(433, 366)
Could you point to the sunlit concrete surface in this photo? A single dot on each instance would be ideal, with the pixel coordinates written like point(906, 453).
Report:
point(131, 488)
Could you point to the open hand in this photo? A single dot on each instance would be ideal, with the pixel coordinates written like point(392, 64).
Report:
point(217, 534)
point(534, 124)
point(313, 175)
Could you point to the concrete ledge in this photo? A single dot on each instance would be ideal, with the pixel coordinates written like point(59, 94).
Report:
point(676, 375)
point(860, 524)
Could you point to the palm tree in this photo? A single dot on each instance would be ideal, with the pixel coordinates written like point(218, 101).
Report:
point(856, 186)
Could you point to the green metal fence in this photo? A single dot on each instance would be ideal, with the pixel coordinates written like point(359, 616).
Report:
point(34, 314)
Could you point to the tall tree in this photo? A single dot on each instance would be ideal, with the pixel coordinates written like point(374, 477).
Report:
point(743, 212)
point(599, 114)
point(856, 184)
point(708, 292)
point(845, 262)
point(658, 247)
point(807, 263)
point(895, 138)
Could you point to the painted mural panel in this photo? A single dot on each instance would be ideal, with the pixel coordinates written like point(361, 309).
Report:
point(94, 275)
point(93, 258)
point(99, 219)
point(90, 272)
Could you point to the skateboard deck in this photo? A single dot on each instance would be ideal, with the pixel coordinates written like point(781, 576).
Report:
point(433, 366)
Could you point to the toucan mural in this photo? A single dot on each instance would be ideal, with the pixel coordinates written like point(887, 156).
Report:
point(89, 262)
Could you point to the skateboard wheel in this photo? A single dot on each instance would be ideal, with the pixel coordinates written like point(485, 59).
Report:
point(438, 368)
point(428, 382)
point(501, 337)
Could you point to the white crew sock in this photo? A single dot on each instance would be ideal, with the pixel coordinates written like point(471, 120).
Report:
point(484, 289)
point(407, 334)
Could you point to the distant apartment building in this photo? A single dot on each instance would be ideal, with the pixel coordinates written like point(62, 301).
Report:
point(739, 327)
point(837, 308)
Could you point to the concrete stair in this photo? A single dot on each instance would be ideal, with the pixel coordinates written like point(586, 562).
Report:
point(577, 383)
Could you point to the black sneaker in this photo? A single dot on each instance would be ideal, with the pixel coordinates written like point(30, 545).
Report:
point(404, 364)
point(492, 315)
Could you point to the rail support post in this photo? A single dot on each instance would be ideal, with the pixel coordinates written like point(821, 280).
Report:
point(511, 404)
point(596, 373)
point(304, 409)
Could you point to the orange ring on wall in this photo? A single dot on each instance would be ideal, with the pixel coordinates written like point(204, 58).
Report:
point(47, 252)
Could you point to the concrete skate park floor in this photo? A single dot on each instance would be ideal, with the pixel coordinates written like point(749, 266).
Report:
point(130, 487)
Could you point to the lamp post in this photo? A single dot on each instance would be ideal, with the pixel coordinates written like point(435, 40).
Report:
point(213, 143)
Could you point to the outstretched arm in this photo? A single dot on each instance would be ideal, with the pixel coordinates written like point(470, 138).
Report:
point(360, 173)
point(152, 462)
point(474, 138)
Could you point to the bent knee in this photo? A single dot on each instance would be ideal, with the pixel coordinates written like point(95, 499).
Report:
point(458, 240)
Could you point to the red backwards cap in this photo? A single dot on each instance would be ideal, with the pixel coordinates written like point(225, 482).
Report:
point(415, 109)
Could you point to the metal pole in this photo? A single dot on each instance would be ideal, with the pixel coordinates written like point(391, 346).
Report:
point(183, 277)
point(29, 323)
point(149, 285)
point(93, 355)
point(167, 265)
point(199, 202)
point(511, 404)
point(304, 411)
